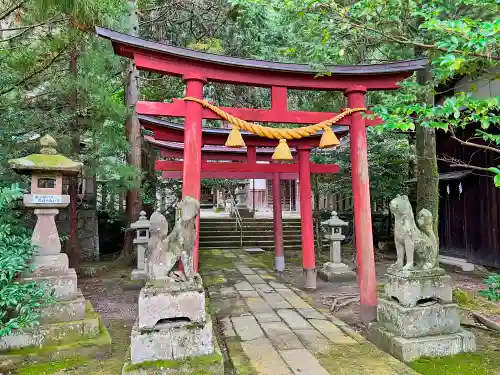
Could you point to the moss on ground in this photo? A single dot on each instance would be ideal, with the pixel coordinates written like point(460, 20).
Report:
point(469, 301)
point(196, 365)
point(482, 363)
point(240, 361)
point(211, 262)
point(209, 281)
point(363, 358)
point(47, 368)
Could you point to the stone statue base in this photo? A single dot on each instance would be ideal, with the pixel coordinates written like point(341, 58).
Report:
point(336, 272)
point(172, 326)
point(417, 317)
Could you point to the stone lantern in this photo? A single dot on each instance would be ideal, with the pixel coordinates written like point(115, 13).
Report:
point(70, 318)
point(141, 239)
point(335, 269)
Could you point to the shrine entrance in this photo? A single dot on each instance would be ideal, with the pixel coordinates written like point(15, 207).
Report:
point(198, 68)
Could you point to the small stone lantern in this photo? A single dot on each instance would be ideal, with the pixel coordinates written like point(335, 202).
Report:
point(335, 269)
point(47, 170)
point(141, 240)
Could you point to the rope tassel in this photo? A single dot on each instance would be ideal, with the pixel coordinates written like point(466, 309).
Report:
point(328, 139)
point(282, 151)
point(234, 139)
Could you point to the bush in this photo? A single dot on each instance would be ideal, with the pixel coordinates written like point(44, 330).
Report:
point(20, 302)
point(493, 284)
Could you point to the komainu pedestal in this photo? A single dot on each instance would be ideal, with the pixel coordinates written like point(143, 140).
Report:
point(417, 317)
point(173, 332)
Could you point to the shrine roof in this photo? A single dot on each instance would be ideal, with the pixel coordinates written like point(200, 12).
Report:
point(128, 46)
point(216, 137)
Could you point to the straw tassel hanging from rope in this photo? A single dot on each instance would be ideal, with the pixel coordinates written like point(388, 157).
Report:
point(282, 151)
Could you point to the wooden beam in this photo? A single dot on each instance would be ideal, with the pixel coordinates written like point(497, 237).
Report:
point(233, 175)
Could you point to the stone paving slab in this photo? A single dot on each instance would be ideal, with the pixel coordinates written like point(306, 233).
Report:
point(332, 332)
point(254, 279)
point(227, 327)
point(267, 317)
point(247, 328)
point(243, 285)
point(249, 293)
point(264, 358)
point(294, 320)
point(294, 299)
point(258, 305)
point(313, 340)
point(302, 362)
point(278, 285)
point(311, 314)
point(281, 336)
point(276, 301)
point(264, 288)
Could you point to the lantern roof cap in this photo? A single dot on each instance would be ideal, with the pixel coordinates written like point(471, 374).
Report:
point(334, 221)
point(48, 160)
point(142, 222)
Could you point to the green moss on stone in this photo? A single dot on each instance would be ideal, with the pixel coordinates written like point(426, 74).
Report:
point(468, 301)
point(197, 364)
point(483, 363)
point(45, 162)
point(240, 361)
point(212, 262)
point(213, 280)
point(46, 368)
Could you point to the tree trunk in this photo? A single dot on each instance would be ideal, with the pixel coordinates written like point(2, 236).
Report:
point(133, 130)
point(426, 163)
point(73, 249)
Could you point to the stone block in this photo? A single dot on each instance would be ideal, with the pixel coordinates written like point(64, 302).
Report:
point(265, 358)
point(64, 284)
point(171, 341)
point(293, 319)
point(420, 320)
point(410, 349)
point(332, 332)
point(47, 265)
point(246, 327)
point(64, 311)
point(410, 290)
point(138, 275)
point(336, 272)
point(161, 300)
point(281, 336)
point(301, 361)
point(52, 334)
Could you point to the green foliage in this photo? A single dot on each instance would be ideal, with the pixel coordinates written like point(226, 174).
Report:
point(19, 302)
point(493, 285)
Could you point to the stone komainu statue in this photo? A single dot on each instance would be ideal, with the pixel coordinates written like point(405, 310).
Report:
point(418, 243)
point(166, 251)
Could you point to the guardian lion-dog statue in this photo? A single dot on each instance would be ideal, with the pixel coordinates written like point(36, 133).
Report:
point(177, 246)
point(418, 243)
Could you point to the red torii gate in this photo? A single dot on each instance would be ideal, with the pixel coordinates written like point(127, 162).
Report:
point(198, 68)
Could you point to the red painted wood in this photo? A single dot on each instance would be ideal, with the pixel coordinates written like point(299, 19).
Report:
point(151, 61)
point(228, 168)
point(191, 176)
point(362, 207)
point(308, 258)
point(277, 219)
point(276, 114)
point(233, 175)
point(216, 156)
point(252, 155)
point(279, 98)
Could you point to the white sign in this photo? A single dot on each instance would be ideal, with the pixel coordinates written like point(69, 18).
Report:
point(47, 199)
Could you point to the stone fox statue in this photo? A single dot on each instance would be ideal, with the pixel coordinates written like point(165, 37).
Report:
point(178, 244)
point(411, 239)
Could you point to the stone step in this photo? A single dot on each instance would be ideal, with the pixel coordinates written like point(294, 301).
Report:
point(251, 243)
point(64, 311)
point(248, 236)
point(64, 284)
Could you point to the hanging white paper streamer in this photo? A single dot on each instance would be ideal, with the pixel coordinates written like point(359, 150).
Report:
point(448, 189)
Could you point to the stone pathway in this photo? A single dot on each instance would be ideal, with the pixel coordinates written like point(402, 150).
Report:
point(269, 329)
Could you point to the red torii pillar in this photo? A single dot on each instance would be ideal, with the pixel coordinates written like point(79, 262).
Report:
point(279, 254)
point(362, 208)
point(308, 258)
point(191, 174)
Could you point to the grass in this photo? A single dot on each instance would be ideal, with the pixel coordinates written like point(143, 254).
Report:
point(484, 363)
point(469, 301)
point(47, 368)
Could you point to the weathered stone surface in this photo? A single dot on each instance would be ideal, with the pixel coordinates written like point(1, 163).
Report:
point(52, 334)
point(294, 320)
point(258, 305)
point(294, 299)
point(228, 292)
point(47, 265)
point(410, 290)
point(267, 317)
point(264, 288)
point(276, 301)
point(249, 293)
point(168, 300)
point(64, 284)
point(171, 341)
point(311, 314)
point(243, 285)
point(302, 362)
point(245, 270)
point(277, 285)
point(254, 279)
point(420, 320)
point(336, 272)
point(413, 348)
point(64, 311)
point(138, 275)
point(332, 332)
point(227, 327)
point(281, 336)
point(313, 340)
point(264, 358)
point(246, 327)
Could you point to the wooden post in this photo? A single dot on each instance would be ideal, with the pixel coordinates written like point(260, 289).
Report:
point(191, 174)
point(279, 255)
point(362, 208)
point(308, 259)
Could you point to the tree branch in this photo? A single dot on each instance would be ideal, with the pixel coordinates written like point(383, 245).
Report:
point(15, 7)
point(455, 163)
point(471, 144)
